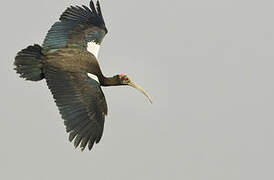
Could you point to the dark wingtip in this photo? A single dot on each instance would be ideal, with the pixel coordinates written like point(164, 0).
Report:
point(88, 15)
point(92, 7)
point(100, 14)
point(98, 5)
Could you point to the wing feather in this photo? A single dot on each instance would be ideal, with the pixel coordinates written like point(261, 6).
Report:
point(76, 27)
point(81, 103)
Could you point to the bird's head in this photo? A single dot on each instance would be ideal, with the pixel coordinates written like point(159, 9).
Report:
point(125, 80)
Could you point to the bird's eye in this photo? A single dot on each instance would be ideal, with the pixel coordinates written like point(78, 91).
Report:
point(123, 77)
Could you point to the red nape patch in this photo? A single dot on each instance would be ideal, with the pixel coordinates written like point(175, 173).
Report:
point(122, 75)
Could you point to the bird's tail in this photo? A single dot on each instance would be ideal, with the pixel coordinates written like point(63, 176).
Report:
point(29, 63)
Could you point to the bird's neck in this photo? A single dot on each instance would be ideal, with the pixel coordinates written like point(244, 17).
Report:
point(109, 81)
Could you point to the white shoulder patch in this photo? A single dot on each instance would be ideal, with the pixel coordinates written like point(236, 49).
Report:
point(94, 77)
point(93, 48)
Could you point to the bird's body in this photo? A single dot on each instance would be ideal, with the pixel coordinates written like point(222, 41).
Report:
point(73, 60)
point(68, 61)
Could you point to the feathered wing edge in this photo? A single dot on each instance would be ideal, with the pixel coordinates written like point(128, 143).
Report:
point(81, 103)
point(58, 34)
point(92, 15)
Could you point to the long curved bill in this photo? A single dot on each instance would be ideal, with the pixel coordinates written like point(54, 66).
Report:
point(132, 84)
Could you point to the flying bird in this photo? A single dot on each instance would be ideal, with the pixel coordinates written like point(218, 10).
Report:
point(67, 60)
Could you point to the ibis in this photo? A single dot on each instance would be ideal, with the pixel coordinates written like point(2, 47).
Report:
point(67, 60)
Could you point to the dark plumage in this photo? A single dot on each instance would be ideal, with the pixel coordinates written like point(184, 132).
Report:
point(63, 60)
point(28, 63)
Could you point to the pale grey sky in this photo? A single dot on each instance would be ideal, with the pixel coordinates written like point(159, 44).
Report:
point(208, 66)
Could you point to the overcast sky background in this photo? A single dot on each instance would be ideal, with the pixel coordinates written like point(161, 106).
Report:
point(208, 66)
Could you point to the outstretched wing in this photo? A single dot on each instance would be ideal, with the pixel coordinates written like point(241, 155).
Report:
point(81, 103)
point(77, 26)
